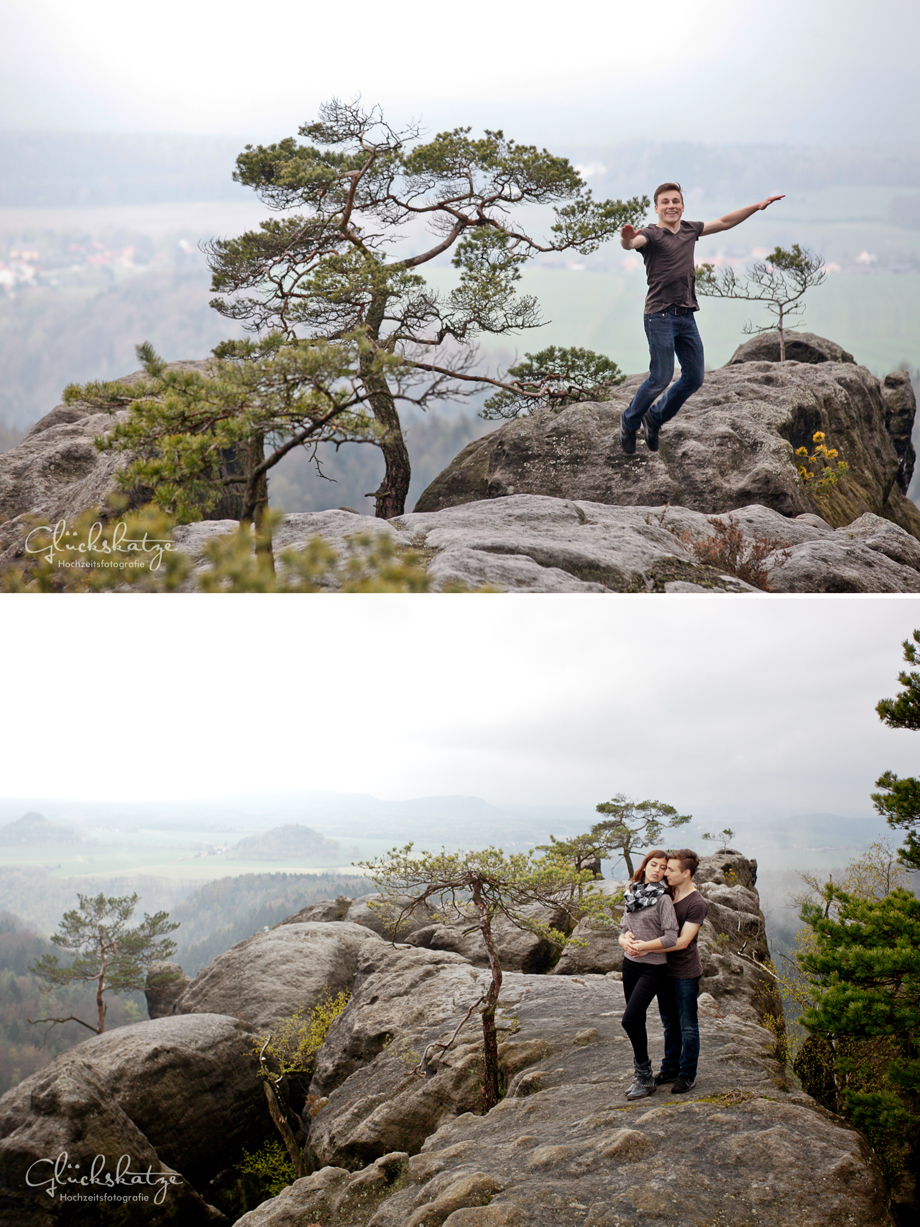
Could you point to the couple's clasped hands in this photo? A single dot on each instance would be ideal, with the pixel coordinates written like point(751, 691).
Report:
point(632, 947)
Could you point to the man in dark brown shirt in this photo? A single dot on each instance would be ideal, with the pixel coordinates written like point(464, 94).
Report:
point(668, 251)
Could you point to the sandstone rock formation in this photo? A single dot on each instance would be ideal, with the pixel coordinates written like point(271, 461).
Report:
point(180, 1095)
point(403, 1000)
point(731, 445)
point(549, 503)
point(272, 975)
point(533, 543)
point(392, 1117)
point(564, 1146)
point(166, 982)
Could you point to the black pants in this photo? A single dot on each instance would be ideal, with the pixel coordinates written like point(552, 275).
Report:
point(641, 984)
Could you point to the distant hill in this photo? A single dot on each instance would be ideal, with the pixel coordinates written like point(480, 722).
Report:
point(88, 168)
point(290, 842)
point(35, 828)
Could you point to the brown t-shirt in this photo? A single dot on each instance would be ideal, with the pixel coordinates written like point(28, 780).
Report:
point(670, 266)
point(685, 964)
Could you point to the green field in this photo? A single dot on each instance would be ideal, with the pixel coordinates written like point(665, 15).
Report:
point(873, 315)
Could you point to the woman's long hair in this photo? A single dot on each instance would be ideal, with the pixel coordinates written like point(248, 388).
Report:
point(639, 875)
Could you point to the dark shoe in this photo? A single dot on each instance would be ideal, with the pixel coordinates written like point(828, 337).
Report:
point(627, 440)
point(643, 1083)
point(681, 1086)
point(650, 432)
point(662, 1079)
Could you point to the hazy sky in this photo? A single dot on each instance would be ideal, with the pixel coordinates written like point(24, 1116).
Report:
point(706, 70)
point(720, 706)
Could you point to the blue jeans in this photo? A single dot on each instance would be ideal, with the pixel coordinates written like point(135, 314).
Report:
point(667, 335)
point(677, 1007)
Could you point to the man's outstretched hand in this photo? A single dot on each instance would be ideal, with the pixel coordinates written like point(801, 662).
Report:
point(770, 199)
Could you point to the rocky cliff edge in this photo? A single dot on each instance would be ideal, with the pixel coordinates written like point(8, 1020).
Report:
point(392, 1149)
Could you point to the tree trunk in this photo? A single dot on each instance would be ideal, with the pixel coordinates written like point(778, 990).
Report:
point(276, 1111)
point(255, 502)
point(491, 1082)
point(391, 494)
point(100, 989)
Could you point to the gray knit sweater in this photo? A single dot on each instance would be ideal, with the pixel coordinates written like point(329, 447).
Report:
point(647, 923)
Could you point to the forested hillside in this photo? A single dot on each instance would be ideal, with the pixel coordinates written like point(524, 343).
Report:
point(222, 913)
point(212, 919)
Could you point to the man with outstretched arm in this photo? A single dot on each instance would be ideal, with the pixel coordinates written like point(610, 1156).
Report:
point(668, 251)
point(677, 1003)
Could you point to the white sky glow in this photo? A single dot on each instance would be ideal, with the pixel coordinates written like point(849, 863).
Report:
point(706, 70)
point(713, 704)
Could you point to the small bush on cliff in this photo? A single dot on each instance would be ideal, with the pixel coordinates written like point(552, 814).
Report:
point(286, 1058)
point(271, 1166)
point(729, 550)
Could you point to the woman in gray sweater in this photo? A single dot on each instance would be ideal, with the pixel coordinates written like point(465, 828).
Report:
point(649, 914)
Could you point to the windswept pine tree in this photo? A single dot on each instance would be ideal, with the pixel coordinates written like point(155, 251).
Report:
point(375, 205)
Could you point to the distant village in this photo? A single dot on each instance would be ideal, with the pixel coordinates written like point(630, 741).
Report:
point(65, 263)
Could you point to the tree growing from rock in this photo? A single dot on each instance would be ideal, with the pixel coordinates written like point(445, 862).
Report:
point(379, 205)
point(554, 377)
point(288, 1054)
point(723, 838)
point(899, 799)
point(105, 951)
point(475, 888)
point(632, 825)
point(193, 436)
point(780, 282)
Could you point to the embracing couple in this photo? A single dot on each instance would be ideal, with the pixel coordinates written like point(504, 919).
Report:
point(661, 920)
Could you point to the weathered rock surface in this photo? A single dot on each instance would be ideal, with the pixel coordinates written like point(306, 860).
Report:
point(403, 1000)
point(517, 949)
point(730, 446)
point(532, 543)
point(180, 1095)
point(389, 924)
point(272, 975)
point(166, 982)
point(565, 1148)
point(549, 503)
point(800, 347)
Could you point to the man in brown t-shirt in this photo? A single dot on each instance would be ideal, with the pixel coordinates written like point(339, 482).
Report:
point(668, 251)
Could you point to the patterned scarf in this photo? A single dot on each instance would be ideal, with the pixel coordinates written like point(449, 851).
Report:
point(643, 894)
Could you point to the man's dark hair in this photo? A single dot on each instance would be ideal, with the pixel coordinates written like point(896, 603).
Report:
point(688, 860)
point(668, 187)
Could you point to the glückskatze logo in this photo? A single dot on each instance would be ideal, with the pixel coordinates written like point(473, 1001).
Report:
point(70, 548)
point(95, 1183)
